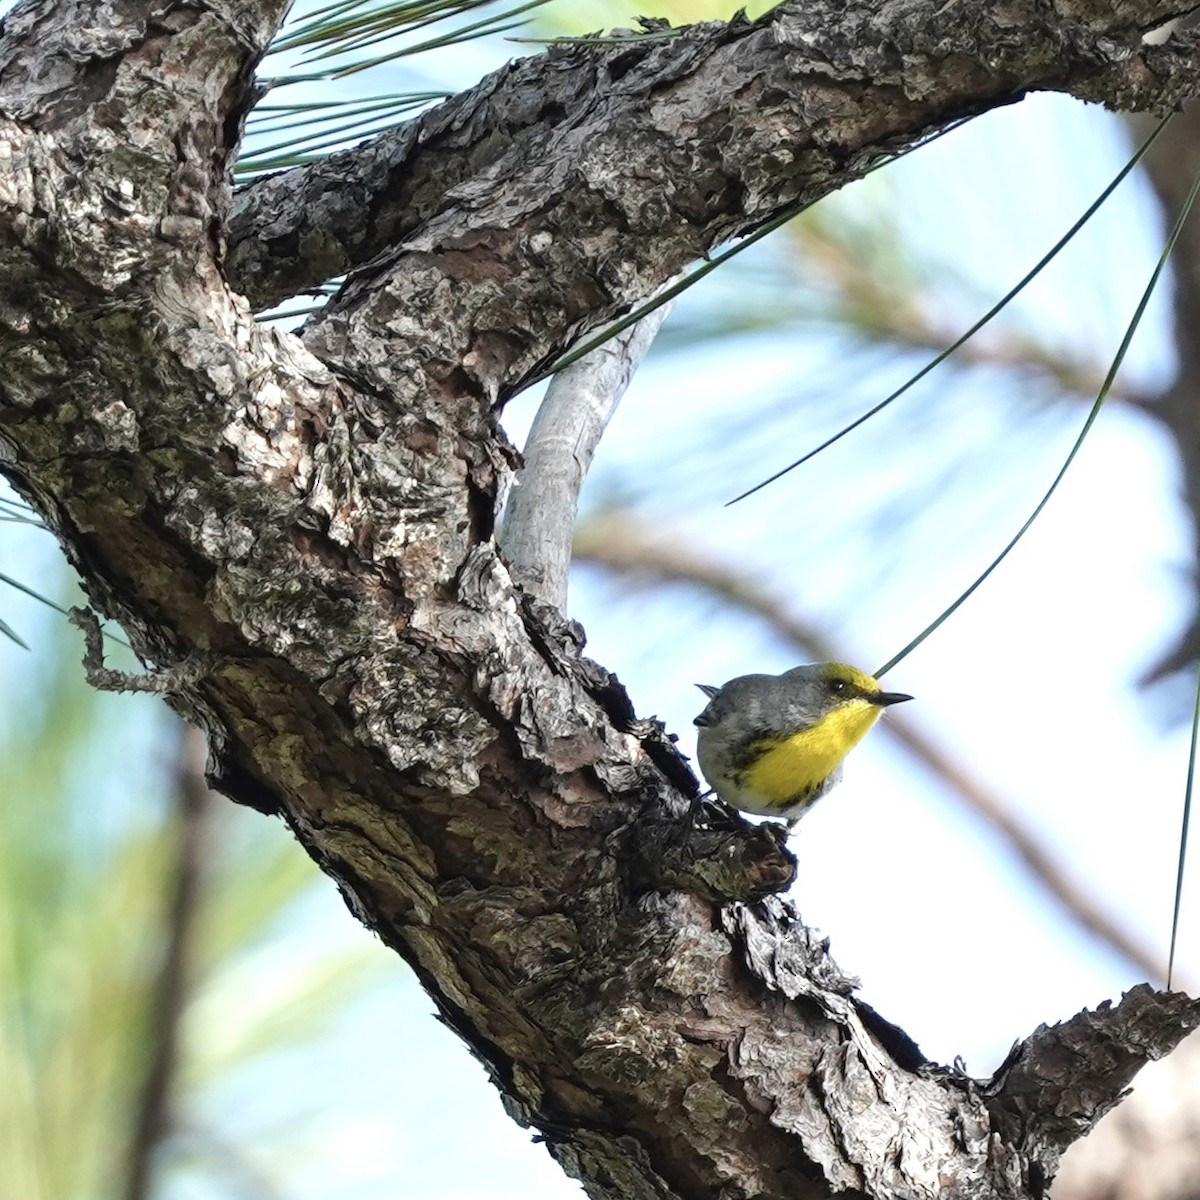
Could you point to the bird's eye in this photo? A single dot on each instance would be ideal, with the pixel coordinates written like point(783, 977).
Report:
point(837, 686)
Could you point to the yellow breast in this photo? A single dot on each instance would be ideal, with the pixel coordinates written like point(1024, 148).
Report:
point(793, 768)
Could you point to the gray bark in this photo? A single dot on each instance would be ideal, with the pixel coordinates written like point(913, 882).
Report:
point(696, 139)
point(310, 518)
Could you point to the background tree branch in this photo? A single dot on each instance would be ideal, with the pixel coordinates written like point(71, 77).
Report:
point(155, 1116)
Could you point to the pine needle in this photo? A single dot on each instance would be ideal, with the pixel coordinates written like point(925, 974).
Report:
point(1004, 300)
point(1109, 379)
point(1183, 835)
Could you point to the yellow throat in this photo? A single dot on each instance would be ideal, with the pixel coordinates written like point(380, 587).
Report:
point(790, 769)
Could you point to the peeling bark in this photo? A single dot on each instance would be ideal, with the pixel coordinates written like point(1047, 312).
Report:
point(311, 518)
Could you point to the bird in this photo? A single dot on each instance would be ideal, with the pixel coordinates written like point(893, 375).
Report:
point(773, 745)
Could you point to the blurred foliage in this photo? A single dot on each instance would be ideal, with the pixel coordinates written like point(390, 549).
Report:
point(88, 843)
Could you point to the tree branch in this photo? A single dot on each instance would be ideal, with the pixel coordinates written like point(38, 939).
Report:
point(1045, 1091)
point(317, 516)
point(837, 87)
point(164, 680)
point(539, 515)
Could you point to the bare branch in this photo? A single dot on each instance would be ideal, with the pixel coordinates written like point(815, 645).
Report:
point(1147, 1149)
point(1046, 1091)
point(539, 515)
point(836, 86)
point(164, 681)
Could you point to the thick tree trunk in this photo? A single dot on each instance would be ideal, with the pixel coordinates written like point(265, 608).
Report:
point(304, 524)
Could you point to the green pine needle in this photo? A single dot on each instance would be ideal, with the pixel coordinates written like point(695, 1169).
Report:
point(1183, 834)
point(341, 29)
point(347, 19)
point(9, 632)
point(353, 27)
point(289, 313)
point(1118, 359)
point(974, 329)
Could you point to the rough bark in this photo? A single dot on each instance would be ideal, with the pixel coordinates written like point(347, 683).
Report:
point(697, 138)
point(305, 524)
point(1147, 1149)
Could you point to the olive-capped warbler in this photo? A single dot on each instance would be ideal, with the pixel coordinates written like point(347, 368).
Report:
point(774, 744)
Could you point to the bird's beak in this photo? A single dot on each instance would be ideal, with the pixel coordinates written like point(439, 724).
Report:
point(883, 699)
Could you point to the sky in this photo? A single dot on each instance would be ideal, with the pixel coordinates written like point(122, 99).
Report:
point(1032, 683)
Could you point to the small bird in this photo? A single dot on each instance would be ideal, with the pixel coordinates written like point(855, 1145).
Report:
point(774, 744)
